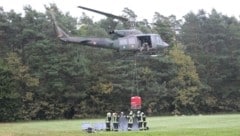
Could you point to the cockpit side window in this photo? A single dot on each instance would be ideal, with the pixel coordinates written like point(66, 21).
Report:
point(132, 40)
point(159, 40)
point(122, 41)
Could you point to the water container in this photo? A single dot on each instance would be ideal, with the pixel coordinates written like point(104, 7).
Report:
point(136, 102)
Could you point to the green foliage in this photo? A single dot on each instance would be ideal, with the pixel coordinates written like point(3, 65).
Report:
point(166, 27)
point(186, 83)
point(212, 43)
point(92, 31)
point(9, 95)
point(42, 78)
point(20, 71)
point(7, 84)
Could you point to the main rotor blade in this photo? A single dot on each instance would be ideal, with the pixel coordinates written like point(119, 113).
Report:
point(104, 13)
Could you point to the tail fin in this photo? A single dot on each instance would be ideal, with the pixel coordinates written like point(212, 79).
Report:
point(60, 33)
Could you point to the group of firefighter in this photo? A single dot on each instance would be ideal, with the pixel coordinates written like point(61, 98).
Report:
point(114, 118)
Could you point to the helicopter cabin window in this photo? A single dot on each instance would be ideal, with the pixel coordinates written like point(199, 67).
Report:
point(122, 41)
point(131, 41)
point(127, 41)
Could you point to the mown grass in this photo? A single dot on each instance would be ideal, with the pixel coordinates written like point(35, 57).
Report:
point(206, 125)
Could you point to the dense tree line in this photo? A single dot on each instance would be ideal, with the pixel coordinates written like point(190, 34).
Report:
point(42, 78)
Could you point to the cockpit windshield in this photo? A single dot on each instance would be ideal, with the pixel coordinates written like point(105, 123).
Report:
point(158, 39)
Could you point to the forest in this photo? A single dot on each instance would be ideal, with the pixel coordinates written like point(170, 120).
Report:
point(42, 78)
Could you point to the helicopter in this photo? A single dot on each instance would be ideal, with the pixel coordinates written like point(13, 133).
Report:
point(132, 40)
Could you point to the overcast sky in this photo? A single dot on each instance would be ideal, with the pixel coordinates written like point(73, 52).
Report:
point(143, 8)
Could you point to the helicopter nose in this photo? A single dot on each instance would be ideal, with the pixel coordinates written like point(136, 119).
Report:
point(165, 44)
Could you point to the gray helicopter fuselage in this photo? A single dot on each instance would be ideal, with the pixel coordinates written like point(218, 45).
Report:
point(136, 41)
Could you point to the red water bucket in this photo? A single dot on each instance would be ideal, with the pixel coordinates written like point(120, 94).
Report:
point(136, 102)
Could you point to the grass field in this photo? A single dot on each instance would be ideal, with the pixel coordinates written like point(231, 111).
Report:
point(205, 125)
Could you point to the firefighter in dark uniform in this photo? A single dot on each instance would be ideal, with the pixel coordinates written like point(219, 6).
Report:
point(115, 119)
point(144, 121)
point(140, 120)
point(108, 121)
point(130, 120)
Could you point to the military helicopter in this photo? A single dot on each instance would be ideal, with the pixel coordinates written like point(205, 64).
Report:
point(127, 40)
